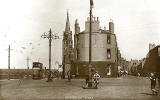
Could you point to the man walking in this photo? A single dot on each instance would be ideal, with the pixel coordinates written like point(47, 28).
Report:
point(69, 76)
point(153, 82)
point(87, 80)
point(60, 70)
point(158, 76)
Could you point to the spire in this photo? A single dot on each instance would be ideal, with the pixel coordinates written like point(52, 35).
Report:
point(67, 23)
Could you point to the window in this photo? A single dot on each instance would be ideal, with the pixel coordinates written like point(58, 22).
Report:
point(108, 39)
point(108, 54)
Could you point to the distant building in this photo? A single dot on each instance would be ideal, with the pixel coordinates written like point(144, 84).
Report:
point(119, 57)
point(105, 51)
point(124, 64)
point(133, 66)
point(152, 63)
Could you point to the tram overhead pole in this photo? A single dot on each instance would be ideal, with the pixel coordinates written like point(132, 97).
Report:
point(50, 37)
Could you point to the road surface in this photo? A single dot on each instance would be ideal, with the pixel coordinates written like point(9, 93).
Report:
point(123, 88)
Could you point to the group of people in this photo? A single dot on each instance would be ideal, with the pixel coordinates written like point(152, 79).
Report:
point(154, 77)
point(95, 79)
point(122, 73)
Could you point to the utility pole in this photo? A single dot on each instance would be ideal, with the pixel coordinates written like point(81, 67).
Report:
point(50, 36)
point(9, 63)
point(90, 47)
point(28, 66)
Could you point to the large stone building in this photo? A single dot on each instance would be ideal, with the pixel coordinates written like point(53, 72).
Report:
point(104, 49)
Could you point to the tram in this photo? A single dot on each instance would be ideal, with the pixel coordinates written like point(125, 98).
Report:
point(37, 70)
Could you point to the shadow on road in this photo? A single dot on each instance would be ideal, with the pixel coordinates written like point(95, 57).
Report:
point(148, 94)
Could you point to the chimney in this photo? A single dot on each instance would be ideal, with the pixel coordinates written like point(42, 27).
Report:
point(111, 26)
point(97, 19)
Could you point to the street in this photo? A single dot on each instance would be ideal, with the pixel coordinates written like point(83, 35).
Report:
point(123, 88)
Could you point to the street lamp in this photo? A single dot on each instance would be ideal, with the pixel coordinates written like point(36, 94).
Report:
point(90, 48)
point(50, 36)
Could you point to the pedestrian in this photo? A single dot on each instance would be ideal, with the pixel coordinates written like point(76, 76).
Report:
point(60, 69)
point(121, 73)
point(69, 76)
point(138, 74)
point(158, 76)
point(153, 82)
point(87, 80)
point(125, 72)
point(96, 77)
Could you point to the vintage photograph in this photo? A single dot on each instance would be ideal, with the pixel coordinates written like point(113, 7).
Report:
point(79, 50)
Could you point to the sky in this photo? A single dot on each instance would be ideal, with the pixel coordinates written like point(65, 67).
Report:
point(22, 22)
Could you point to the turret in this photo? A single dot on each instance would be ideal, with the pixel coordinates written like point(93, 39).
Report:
point(77, 28)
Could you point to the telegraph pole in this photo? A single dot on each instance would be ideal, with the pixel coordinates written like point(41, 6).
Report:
point(9, 63)
point(28, 66)
point(28, 62)
point(50, 36)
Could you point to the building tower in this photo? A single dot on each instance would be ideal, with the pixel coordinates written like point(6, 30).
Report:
point(77, 28)
point(67, 47)
point(77, 31)
point(104, 49)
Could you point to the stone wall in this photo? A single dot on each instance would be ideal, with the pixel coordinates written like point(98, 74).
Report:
point(97, 66)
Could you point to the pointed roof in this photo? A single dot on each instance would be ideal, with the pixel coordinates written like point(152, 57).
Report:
point(67, 29)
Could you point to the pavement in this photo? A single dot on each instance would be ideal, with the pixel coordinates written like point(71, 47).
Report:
point(122, 88)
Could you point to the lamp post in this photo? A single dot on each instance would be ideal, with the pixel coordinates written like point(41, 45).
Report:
point(50, 36)
point(90, 47)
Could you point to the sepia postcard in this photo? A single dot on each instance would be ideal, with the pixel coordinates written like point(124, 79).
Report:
point(79, 50)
